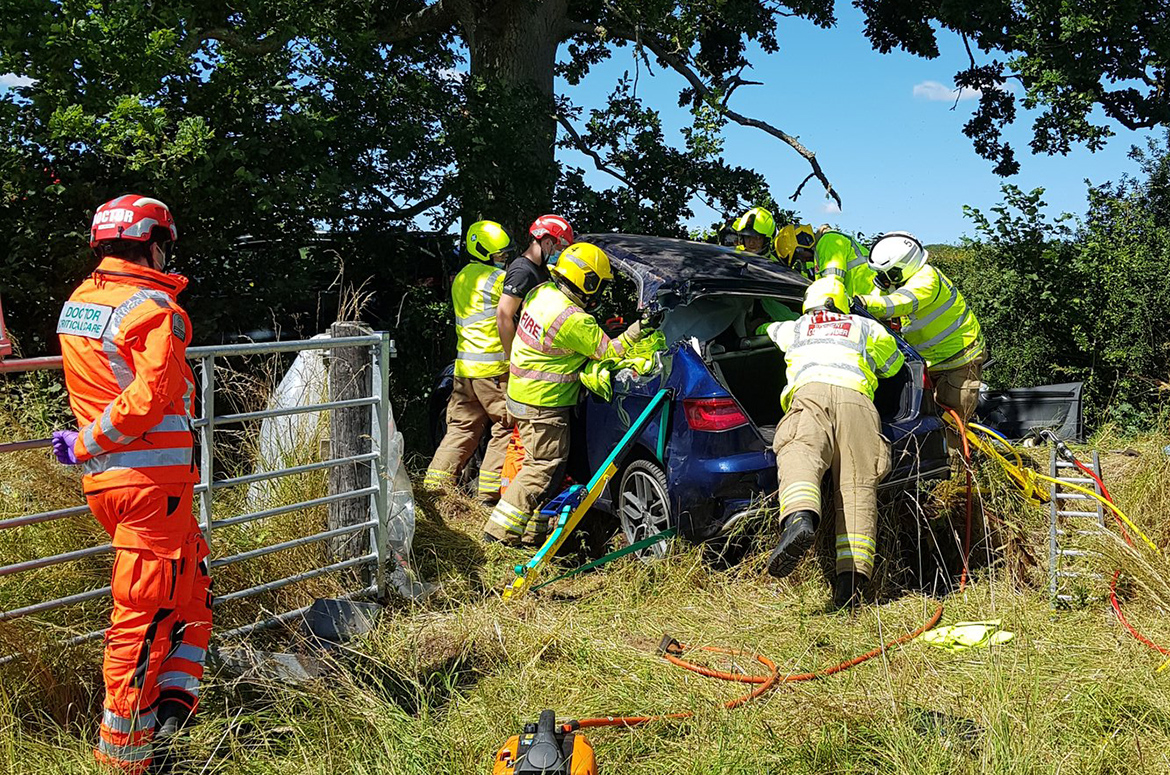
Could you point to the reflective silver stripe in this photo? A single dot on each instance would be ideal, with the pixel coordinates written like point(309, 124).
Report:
point(478, 317)
point(481, 357)
point(884, 369)
point(961, 358)
point(89, 442)
point(890, 306)
point(194, 653)
point(952, 328)
point(118, 365)
point(106, 425)
point(835, 341)
point(543, 376)
point(909, 298)
point(143, 458)
point(177, 679)
point(550, 335)
point(830, 367)
point(125, 726)
point(604, 344)
point(832, 271)
point(126, 753)
point(917, 324)
point(536, 344)
point(858, 259)
point(171, 423)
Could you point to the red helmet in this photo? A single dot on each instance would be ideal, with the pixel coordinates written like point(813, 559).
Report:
point(131, 217)
point(552, 226)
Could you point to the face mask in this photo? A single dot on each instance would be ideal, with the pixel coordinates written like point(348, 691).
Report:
point(551, 258)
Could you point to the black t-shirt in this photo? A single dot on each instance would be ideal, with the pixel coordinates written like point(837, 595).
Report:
point(523, 276)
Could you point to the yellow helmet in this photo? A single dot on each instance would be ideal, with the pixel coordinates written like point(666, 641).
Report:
point(792, 237)
point(584, 266)
point(756, 221)
point(486, 240)
point(827, 292)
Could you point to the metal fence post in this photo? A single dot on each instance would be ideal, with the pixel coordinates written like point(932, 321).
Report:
point(380, 466)
point(207, 444)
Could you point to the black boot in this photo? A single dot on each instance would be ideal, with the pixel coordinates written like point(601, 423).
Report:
point(849, 590)
point(796, 537)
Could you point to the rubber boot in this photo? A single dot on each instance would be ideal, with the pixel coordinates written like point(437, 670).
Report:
point(796, 537)
point(173, 717)
point(849, 590)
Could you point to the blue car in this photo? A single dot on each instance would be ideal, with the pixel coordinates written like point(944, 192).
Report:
point(712, 465)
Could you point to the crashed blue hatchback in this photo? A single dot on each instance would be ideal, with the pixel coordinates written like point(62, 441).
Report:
point(706, 463)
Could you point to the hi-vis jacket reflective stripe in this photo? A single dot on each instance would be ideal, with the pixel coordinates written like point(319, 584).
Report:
point(124, 341)
point(841, 256)
point(939, 324)
point(554, 340)
point(844, 350)
point(475, 294)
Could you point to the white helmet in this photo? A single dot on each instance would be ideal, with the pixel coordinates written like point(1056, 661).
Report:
point(897, 256)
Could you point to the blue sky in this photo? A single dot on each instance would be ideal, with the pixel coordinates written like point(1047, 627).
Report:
point(896, 155)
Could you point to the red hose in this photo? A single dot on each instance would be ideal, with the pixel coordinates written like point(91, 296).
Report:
point(765, 683)
point(1114, 602)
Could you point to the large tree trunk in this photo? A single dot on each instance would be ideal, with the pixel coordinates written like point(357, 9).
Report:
point(510, 173)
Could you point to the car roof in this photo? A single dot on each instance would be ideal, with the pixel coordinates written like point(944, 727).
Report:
point(657, 262)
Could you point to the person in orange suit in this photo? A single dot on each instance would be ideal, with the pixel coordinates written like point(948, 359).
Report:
point(123, 340)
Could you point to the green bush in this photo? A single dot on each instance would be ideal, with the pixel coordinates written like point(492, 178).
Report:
point(1063, 300)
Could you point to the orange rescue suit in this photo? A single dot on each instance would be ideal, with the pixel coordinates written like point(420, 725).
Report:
point(124, 339)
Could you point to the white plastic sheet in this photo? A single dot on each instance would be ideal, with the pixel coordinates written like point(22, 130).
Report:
point(294, 439)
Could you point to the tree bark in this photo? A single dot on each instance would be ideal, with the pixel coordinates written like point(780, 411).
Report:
point(513, 46)
point(349, 435)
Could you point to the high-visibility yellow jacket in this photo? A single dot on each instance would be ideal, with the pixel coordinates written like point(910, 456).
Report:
point(841, 256)
point(475, 295)
point(844, 350)
point(554, 340)
point(939, 324)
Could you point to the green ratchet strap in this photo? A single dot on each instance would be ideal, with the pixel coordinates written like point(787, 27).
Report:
point(634, 547)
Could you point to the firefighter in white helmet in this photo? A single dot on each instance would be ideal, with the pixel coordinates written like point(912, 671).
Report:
point(936, 320)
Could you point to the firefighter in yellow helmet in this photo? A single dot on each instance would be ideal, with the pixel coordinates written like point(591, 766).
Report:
point(830, 424)
point(794, 245)
point(555, 339)
point(754, 231)
point(481, 369)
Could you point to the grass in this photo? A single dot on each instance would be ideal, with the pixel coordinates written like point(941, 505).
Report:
point(439, 686)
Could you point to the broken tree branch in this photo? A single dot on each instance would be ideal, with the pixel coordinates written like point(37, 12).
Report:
point(430, 18)
point(591, 153)
point(676, 62)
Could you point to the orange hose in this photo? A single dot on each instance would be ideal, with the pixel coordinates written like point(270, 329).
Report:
point(765, 683)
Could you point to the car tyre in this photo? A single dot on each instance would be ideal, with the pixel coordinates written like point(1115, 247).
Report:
point(643, 506)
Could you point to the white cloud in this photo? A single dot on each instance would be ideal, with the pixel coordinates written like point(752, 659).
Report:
point(830, 207)
point(937, 92)
point(12, 80)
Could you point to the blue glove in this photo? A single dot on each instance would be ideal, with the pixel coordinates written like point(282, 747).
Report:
point(63, 442)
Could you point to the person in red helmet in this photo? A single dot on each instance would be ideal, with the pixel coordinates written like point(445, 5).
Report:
point(550, 235)
point(123, 340)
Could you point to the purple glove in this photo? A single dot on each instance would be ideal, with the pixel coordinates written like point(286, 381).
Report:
point(63, 442)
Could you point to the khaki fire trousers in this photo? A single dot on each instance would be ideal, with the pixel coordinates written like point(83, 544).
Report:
point(830, 428)
point(959, 389)
point(475, 404)
point(544, 432)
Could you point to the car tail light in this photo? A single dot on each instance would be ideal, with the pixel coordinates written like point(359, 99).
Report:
point(713, 414)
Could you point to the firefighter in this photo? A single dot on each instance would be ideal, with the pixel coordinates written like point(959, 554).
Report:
point(830, 424)
point(556, 337)
point(123, 340)
point(754, 231)
point(838, 255)
point(551, 234)
point(936, 320)
point(481, 369)
point(794, 246)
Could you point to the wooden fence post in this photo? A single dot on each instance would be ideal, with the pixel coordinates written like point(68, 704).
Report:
point(349, 435)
